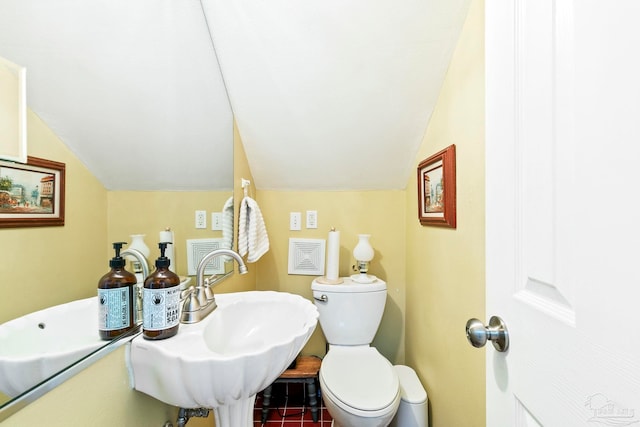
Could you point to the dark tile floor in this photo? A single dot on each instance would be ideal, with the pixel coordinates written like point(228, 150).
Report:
point(289, 407)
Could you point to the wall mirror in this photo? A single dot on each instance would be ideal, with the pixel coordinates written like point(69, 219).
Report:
point(148, 86)
point(13, 112)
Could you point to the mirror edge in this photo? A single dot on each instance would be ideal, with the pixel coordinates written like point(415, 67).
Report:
point(20, 150)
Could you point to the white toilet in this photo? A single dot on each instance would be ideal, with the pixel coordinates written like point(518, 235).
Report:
point(359, 386)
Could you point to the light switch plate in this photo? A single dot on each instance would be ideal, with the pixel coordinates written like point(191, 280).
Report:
point(216, 220)
point(295, 219)
point(312, 219)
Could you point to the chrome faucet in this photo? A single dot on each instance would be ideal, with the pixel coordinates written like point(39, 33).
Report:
point(145, 273)
point(199, 301)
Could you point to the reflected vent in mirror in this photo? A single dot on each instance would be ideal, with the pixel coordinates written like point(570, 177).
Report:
point(197, 249)
point(306, 256)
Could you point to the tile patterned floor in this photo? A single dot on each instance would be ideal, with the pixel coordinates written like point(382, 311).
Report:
point(288, 408)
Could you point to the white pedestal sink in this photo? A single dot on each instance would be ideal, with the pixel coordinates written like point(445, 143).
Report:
point(222, 362)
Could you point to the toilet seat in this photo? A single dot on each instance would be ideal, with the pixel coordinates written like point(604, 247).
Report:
point(360, 379)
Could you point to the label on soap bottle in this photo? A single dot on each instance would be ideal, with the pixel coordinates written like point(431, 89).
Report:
point(160, 308)
point(114, 309)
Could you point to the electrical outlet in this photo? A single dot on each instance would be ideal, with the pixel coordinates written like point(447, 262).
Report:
point(312, 219)
point(216, 220)
point(295, 218)
point(201, 219)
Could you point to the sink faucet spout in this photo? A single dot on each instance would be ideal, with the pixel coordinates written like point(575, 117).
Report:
point(202, 295)
point(242, 267)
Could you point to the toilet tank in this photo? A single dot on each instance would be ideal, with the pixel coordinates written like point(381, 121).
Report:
point(350, 312)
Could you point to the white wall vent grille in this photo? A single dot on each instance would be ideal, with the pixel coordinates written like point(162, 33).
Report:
point(306, 256)
point(197, 249)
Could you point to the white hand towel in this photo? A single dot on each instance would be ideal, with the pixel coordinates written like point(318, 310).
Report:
point(252, 233)
point(227, 224)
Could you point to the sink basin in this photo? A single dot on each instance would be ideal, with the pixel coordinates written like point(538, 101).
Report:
point(221, 362)
point(37, 345)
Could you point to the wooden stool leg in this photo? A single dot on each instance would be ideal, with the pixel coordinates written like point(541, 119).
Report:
point(313, 398)
point(266, 400)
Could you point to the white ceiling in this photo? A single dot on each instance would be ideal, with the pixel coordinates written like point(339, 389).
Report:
point(327, 95)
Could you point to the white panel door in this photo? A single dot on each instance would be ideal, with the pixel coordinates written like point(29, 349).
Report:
point(563, 211)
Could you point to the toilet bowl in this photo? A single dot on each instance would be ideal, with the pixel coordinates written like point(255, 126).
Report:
point(360, 387)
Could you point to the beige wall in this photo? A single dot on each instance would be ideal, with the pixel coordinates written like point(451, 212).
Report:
point(44, 266)
point(445, 267)
point(379, 213)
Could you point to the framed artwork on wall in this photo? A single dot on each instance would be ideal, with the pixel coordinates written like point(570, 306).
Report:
point(437, 189)
point(32, 194)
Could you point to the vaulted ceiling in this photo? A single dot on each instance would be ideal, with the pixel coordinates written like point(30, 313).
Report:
point(327, 95)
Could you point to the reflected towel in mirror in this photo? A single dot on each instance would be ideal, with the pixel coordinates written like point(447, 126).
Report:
point(227, 224)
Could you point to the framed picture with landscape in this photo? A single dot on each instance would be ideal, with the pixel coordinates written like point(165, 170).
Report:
point(32, 194)
point(437, 189)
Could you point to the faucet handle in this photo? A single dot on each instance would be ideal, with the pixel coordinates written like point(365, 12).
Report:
point(191, 302)
point(191, 305)
point(186, 292)
point(205, 293)
point(208, 293)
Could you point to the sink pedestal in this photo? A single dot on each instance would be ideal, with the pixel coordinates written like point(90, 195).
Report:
point(239, 414)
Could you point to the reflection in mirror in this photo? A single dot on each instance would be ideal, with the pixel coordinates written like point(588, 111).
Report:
point(123, 117)
point(79, 266)
point(27, 333)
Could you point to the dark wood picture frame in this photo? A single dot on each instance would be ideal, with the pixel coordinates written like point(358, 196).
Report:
point(437, 189)
point(32, 194)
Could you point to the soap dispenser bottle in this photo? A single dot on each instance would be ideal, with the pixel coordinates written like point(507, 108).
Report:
point(161, 300)
point(116, 298)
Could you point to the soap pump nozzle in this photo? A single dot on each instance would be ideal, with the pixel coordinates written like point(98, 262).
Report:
point(117, 260)
point(162, 260)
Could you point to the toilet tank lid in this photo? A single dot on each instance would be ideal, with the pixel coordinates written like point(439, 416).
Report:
point(411, 389)
point(349, 285)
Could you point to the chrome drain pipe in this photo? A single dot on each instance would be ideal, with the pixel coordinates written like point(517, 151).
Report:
point(184, 415)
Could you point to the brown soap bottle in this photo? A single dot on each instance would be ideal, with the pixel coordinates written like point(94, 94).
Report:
point(161, 300)
point(116, 296)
